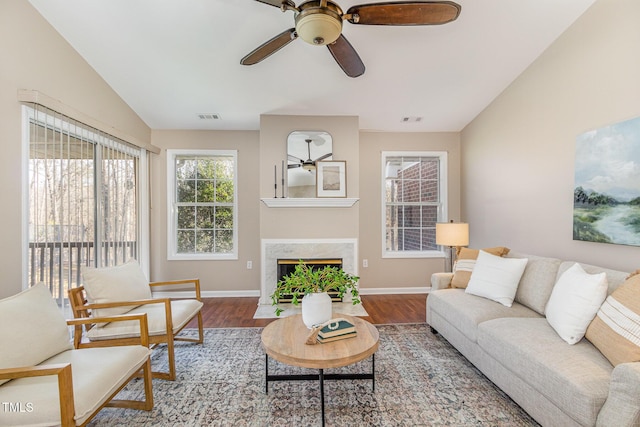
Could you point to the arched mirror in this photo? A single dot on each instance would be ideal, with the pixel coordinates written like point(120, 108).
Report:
point(304, 149)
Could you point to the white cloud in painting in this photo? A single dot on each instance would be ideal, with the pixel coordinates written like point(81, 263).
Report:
point(608, 160)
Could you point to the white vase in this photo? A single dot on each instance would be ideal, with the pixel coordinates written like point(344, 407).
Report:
point(316, 308)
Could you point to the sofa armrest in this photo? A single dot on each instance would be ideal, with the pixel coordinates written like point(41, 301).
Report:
point(622, 407)
point(65, 385)
point(440, 280)
point(141, 318)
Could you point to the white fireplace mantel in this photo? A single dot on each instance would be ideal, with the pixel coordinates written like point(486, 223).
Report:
point(311, 202)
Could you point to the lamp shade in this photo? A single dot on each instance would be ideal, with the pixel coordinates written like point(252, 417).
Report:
point(452, 233)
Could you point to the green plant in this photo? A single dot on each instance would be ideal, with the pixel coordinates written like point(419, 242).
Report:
point(306, 279)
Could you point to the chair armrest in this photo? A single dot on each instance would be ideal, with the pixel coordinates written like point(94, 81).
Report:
point(622, 407)
point(440, 280)
point(65, 385)
point(180, 283)
point(141, 318)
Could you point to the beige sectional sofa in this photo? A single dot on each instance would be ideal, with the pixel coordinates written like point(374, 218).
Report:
point(515, 347)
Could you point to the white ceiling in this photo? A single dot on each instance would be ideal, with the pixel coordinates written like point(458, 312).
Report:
point(171, 60)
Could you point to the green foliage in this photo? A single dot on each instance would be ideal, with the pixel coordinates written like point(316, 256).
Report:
point(306, 280)
point(583, 228)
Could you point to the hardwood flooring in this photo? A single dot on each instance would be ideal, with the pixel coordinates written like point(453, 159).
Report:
point(238, 312)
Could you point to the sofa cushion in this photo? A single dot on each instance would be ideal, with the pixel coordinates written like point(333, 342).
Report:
point(615, 330)
point(466, 260)
point(465, 311)
point(96, 373)
point(496, 278)
point(614, 277)
point(124, 282)
point(537, 281)
point(32, 329)
point(574, 302)
point(181, 312)
point(575, 378)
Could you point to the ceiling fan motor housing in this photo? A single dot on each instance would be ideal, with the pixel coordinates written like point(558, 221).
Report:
point(319, 25)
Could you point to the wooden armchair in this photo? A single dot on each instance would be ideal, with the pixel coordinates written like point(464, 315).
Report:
point(87, 379)
point(166, 316)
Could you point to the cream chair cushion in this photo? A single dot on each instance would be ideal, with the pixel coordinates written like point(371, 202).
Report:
point(181, 312)
point(97, 373)
point(124, 282)
point(32, 329)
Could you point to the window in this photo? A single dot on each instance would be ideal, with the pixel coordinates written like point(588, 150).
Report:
point(202, 195)
point(83, 191)
point(414, 198)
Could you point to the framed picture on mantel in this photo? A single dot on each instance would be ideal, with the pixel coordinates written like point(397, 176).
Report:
point(331, 178)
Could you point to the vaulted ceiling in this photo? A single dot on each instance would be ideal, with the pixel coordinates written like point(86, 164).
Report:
point(173, 61)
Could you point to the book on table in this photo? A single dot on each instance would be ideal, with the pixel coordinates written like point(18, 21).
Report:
point(336, 328)
point(337, 337)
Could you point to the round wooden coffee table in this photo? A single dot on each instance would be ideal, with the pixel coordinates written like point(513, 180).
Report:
point(284, 341)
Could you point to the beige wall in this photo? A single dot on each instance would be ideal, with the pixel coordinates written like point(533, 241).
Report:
point(518, 155)
point(228, 275)
point(35, 56)
point(397, 273)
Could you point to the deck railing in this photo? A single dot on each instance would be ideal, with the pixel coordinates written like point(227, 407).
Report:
point(57, 264)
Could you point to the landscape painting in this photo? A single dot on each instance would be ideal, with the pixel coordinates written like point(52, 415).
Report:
point(606, 200)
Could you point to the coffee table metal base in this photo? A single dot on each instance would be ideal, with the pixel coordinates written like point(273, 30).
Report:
point(321, 376)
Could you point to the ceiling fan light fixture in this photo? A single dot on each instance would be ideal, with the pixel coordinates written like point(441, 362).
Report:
point(309, 167)
point(319, 26)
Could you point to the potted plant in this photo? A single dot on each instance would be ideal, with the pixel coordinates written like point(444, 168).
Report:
point(310, 286)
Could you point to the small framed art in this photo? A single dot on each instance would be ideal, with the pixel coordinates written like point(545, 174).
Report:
point(331, 178)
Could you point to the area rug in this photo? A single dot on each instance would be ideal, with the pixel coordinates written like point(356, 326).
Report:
point(421, 380)
point(267, 311)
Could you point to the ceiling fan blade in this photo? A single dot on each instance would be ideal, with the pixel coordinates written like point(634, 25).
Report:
point(346, 57)
point(294, 166)
point(404, 13)
point(322, 157)
point(270, 47)
point(294, 158)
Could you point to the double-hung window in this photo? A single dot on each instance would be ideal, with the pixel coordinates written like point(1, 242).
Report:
point(202, 204)
point(414, 192)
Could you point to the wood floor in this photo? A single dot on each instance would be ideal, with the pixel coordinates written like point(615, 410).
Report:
point(238, 312)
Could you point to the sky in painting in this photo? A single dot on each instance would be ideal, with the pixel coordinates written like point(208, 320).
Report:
point(608, 160)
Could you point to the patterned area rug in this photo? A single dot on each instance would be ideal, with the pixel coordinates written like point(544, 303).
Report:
point(421, 380)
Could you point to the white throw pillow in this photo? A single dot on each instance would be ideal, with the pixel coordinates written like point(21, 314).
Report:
point(574, 302)
point(496, 278)
point(124, 282)
point(32, 329)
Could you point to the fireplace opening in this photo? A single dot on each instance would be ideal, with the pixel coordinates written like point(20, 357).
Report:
point(287, 266)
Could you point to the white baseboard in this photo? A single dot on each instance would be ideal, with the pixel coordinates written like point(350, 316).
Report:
point(208, 294)
point(392, 291)
point(256, 293)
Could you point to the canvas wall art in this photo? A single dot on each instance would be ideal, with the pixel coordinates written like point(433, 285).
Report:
point(606, 200)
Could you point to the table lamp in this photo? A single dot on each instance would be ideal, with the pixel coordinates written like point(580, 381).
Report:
point(454, 235)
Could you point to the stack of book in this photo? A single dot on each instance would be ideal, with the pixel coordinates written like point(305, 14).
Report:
point(336, 329)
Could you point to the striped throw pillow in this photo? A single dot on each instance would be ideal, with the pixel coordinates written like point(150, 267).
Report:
point(615, 330)
point(466, 260)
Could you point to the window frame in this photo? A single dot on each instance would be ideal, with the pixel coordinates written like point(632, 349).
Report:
point(442, 205)
point(172, 212)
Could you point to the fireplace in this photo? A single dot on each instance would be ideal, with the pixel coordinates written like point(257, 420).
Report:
point(288, 265)
point(273, 250)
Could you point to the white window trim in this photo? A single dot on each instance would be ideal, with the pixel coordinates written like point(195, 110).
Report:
point(442, 212)
point(172, 244)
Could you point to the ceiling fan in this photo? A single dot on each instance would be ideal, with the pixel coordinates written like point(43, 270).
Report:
point(308, 164)
point(319, 22)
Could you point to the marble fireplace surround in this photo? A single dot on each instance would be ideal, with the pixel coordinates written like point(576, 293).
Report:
point(273, 249)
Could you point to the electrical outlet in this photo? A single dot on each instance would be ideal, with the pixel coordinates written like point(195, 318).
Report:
point(365, 263)
point(249, 265)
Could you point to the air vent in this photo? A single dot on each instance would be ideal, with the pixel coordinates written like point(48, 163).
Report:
point(209, 116)
point(411, 119)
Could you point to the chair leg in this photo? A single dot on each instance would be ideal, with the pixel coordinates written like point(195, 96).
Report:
point(200, 328)
point(148, 386)
point(172, 357)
